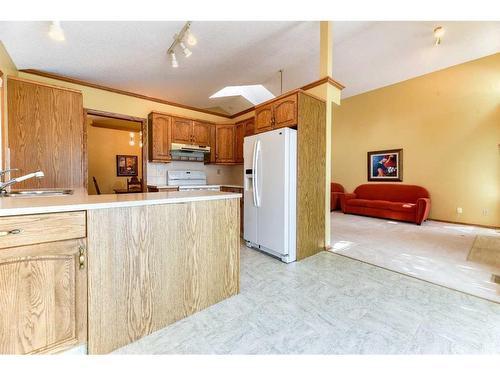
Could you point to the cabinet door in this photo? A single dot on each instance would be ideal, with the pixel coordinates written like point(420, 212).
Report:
point(182, 130)
point(239, 135)
point(213, 144)
point(43, 297)
point(224, 135)
point(264, 118)
point(250, 127)
point(201, 133)
point(159, 134)
point(285, 112)
point(46, 130)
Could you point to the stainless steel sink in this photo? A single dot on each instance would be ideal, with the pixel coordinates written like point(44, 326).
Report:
point(38, 193)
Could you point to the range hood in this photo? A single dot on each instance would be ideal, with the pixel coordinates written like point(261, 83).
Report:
point(190, 148)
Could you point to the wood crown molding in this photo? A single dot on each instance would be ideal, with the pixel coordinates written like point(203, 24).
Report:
point(118, 91)
point(59, 77)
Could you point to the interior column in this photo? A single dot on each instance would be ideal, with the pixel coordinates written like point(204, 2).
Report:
point(325, 70)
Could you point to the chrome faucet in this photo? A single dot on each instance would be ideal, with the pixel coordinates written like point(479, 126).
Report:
point(6, 184)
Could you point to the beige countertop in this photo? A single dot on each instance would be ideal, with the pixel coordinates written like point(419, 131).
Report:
point(82, 201)
point(197, 186)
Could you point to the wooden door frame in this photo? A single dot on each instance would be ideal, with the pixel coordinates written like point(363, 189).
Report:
point(3, 123)
point(144, 130)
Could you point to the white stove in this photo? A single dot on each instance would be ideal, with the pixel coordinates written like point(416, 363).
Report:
point(190, 180)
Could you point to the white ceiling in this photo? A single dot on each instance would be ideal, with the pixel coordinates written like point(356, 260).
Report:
point(132, 55)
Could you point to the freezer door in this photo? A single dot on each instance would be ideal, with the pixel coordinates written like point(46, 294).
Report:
point(250, 209)
point(272, 187)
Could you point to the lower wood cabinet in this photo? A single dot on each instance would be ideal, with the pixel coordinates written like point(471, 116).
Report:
point(43, 297)
point(43, 282)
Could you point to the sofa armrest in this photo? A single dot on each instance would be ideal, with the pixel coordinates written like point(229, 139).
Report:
point(423, 208)
point(344, 197)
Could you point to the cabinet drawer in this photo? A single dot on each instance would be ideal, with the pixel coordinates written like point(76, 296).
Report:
point(33, 229)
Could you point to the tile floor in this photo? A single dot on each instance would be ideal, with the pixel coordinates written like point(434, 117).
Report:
point(436, 252)
point(330, 304)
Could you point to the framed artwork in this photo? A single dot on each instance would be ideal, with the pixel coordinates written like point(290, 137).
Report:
point(126, 165)
point(385, 165)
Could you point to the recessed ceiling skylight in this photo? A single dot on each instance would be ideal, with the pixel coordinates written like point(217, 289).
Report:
point(255, 94)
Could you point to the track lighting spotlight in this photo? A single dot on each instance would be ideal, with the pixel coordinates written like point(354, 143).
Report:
point(173, 60)
point(190, 38)
point(185, 50)
point(56, 32)
point(438, 34)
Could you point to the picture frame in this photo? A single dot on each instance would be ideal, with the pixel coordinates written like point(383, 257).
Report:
point(385, 165)
point(127, 165)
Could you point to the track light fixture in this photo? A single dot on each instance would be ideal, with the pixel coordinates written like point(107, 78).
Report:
point(56, 32)
point(184, 35)
point(438, 34)
point(173, 60)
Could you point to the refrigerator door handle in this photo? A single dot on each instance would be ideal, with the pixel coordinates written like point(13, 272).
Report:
point(256, 173)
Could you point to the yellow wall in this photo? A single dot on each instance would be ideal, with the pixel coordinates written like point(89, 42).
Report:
point(447, 122)
point(8, 68)
point(103, 145)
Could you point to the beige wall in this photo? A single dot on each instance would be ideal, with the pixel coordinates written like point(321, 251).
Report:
point(103, 146)
point(447, 122)
point(8, 68)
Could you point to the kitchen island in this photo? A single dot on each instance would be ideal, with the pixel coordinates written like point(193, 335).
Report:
point(106, 270)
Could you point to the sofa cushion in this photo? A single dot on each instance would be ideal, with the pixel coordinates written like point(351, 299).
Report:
point(391, 192)
point(383, 205)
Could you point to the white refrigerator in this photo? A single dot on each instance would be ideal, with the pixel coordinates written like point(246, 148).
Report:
point(270, 190)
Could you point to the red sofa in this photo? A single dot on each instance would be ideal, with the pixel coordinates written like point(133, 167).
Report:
point(390, 201)
point(336, 190)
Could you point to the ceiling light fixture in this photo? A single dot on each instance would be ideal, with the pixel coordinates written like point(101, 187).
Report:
point(184, 35)
point(438, 34)
point(56, 32)
point(187, 52)
point(190, 38)
point(173, 60)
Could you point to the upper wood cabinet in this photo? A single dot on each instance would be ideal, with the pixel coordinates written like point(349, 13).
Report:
point(277, 114)
point(225, 143)
point(239, 137)
point(201, 133)
point(182, 130)
point(213, 144)
point(159, 137)
point(250, 127)
point(264, 118)
point(46, 132)
point(285, 112)
point(188, 131)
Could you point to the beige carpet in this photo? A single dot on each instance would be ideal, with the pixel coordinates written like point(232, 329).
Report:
point(486, 250)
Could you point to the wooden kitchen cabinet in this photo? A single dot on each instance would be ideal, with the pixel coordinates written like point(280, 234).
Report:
point(264, 118)
point(159, 137)
point(285, 112)
point(43, 289)
point(239, 136)
point(182, 130)
point(213, 144)
point(225, 142)
point(46, 132)
point(249, 127)
point(201, 133)
point(277, 114)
